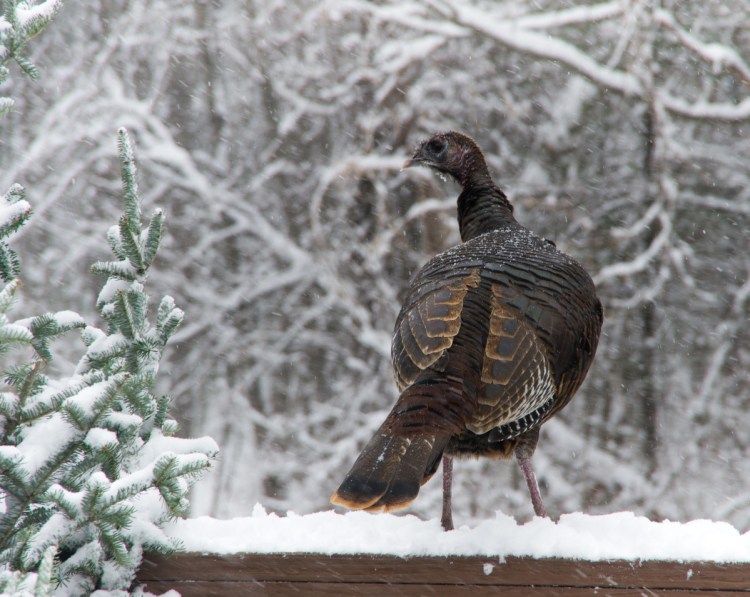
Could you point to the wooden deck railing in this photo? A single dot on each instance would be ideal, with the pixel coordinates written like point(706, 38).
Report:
point(316, 575)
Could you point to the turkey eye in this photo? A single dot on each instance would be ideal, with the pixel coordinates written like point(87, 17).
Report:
point(436, 147)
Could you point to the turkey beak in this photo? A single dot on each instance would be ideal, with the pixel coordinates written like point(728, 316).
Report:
point(407, 164)
point(416, 160)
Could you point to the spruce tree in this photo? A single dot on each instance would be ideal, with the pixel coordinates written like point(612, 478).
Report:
point(19, 22)
point(90, 469)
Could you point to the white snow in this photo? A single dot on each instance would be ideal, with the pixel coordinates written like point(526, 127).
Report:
point(51, 533)
point(10, 212)
point(62, 319)
point(618, 536)
point(701, 109)
point(159, 444)
point(98, 437)
point(569, 112)
point(8, 402)
point(26, 13)
point(68, 318)
point(110, 289)
point(49, 436)
point(537, 43)
point(17, 330)
point(87, 398)
point(120, 419)
point(104, 344)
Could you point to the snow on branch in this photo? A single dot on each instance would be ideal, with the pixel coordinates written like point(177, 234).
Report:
point(510, 33)
point(411, 15)
point(718, 55)
point(14, 212)
point(572, 16)
point(33, 18)
point(13, 208)
point(530, 34)
point(350, 166)
point(642, 260)
point(738, 207)
point(19, 22)
point(702, 110)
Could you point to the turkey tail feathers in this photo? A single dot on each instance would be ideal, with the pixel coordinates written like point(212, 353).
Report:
point(389, 472)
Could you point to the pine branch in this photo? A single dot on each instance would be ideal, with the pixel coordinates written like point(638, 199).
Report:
point(12, 335)
point(152, 237)
point(129, 185)
point(14, 213)
point(26, 379)
point(6, 103)
point(105, 432)
point(45, 574)
point(19, 23)
point(7, 296)
point(168, 319)
point(49, 326)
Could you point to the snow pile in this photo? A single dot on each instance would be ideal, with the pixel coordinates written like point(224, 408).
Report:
point(619, 536)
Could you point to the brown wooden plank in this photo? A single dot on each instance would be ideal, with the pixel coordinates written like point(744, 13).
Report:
point(315, 568)
point(328, 589)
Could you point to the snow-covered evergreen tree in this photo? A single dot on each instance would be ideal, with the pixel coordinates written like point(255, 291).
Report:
point(19, 22)
point(89, 467)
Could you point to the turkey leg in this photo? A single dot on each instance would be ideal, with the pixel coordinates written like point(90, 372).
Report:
point(447, 518)
point(536, 497)
point(523, 452)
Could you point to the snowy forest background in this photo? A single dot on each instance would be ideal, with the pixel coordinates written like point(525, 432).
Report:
point(272, 133)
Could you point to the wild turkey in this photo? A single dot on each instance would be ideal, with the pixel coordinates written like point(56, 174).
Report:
point(494, 337)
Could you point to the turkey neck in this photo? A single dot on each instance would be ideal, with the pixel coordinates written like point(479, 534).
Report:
point(482, 207)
